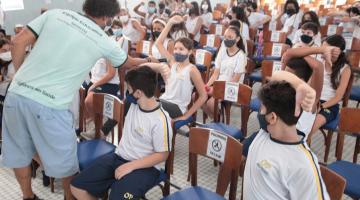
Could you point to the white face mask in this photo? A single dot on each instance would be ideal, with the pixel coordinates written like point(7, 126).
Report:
point(205, 7)
point(6, 56)
point(124, 18)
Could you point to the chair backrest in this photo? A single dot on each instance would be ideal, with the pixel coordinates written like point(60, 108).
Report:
point(82, 121)
point(330, 29)
point(144, 47)
point(335, 184)
point(219, 147)
point(237, 93)
point(122, 73)
point(217, 15)
point(274, 49)
point(267, 69)
point(354, 58)
point(355, 44)
point(347, 124)
point(222, 7)
point(203, 57)
point(111, 107)
point(252, 33)
point(273, 26)
point(210, 40)
point(217, 29)
point(250, 48)
point(275, 36)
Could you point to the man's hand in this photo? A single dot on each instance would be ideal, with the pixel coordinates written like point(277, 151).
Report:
point(123, 170)
point(305, 98)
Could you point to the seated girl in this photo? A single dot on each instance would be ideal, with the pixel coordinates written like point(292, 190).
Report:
point(336, 79)
point(183, 76)
point(229, 64)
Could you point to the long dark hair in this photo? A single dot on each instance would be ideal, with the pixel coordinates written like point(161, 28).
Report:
point(296, 4)
point(314, 18)
point(337, 41)
point(240, 43)
point(189, 45)
point(195, 10)
point(209, 6)
point(240, 14)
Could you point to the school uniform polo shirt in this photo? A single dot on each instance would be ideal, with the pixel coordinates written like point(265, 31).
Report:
point(279, 170)
point(145, 132)
point(68, 44)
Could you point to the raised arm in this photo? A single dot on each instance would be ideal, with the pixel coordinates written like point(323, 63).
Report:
point(137, 11)
point(160, 41)
point(19, 44)
point(307, 51)
point(305, 95)
point(317, 78)
point(139, 28)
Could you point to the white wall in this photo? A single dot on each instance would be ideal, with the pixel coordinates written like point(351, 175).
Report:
point(32, 9)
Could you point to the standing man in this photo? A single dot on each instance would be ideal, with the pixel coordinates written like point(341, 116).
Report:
point(37, 122)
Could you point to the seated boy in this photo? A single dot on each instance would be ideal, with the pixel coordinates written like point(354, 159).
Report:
point(307, 36)
point(145, 143)
point(280, 165)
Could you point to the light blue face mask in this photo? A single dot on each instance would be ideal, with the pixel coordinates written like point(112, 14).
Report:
point(117, 32)
point(151, 10)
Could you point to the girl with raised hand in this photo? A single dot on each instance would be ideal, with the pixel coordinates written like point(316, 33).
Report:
point(336, 79)
point(229, 64)
point(183, 76)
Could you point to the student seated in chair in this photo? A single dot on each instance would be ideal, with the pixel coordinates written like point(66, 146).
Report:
point(280, 165)
point(130, 171)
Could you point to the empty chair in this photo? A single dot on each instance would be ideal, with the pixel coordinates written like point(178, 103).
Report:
point(350, 171)
point(221, 148)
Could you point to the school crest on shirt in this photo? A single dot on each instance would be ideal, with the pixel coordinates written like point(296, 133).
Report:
point(264, 164)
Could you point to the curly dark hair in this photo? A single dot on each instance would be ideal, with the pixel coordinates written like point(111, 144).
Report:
point(101, 8)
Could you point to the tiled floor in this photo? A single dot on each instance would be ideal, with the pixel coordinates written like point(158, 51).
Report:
point(9, 189)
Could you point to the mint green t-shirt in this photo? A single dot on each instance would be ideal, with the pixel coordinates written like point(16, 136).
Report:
point(68, 44)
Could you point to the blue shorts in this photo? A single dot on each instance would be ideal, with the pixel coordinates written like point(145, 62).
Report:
point(330, 113)
point(30, 127)
point(99, 177)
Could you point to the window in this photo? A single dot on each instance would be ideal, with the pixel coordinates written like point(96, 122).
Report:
point(8, 5)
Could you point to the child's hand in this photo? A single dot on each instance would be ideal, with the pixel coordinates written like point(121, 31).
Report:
point(176, 19)
point(123, 170)
point(330, 53)
point(305, 98)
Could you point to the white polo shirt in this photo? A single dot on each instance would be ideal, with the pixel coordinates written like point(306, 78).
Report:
point(145, 132)
point(279, 170)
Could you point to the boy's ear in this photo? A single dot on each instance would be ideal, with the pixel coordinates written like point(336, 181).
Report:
point(273, 118)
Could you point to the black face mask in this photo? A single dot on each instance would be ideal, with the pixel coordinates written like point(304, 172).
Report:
point(306, 39)
point(229, 43)
point(290, 11)
point(229, 17)
point(161, 6)
point(130, 98)
point(262, 122)
point(156, 34)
